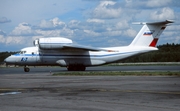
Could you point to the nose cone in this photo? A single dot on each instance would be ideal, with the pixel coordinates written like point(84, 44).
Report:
point(9, 60)
point(6, 60)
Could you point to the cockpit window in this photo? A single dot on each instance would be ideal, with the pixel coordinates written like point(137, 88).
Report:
point(18, 52)
point(22, 52)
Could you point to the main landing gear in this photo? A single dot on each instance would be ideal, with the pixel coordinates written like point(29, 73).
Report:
point(76, 68)
point(26, 69)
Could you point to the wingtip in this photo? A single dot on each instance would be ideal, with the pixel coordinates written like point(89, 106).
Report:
point(170, 21)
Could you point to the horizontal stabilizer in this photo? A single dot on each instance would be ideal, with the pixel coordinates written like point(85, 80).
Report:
point(154, 23)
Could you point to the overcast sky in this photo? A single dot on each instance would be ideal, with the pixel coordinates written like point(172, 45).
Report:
point(97, 23)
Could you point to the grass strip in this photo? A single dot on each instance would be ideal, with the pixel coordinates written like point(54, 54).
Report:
point(117, 73)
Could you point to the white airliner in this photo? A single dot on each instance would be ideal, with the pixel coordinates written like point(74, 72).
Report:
point(58, 51)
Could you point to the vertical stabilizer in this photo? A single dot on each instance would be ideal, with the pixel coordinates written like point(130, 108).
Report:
point(149, 33)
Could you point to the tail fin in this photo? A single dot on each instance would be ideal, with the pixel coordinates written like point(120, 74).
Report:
point(149, 33)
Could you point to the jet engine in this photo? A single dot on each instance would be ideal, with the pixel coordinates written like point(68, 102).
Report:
point(52, 42)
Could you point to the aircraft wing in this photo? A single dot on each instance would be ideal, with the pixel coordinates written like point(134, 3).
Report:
point(60, 43)
point(80, 47)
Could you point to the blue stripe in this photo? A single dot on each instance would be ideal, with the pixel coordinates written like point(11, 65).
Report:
point(26, 54)
point(75, 55)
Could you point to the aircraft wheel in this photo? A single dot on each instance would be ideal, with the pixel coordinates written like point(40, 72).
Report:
point(76, 68)
point(69, 68)
point(82, 68)
point(26, 69)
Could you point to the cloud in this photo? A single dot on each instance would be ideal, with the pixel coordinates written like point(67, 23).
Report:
point(51, 24)
point(2, 33)
point(130, 33)
point(48, 33)
point(158, 3)
point(23, 29)
point(163, 14)
point(115, 42)
point(173, 27)
point(177, 39)
point(107, 10)
point(74, 24)
point(95, 20)
point(90, 22)
point(55, 28)
point(122, 25)
point(15, 40)
point(2, 39)
point(9, 40)
point(148, 4)
point(113, 33)
point(91, 33)
point(4, 20)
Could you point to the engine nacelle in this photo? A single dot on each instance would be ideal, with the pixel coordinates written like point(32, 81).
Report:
point(51, 43)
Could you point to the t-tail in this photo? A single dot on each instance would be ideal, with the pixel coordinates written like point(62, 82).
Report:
point(149, 33)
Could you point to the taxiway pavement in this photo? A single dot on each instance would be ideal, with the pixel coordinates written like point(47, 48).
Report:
point(39, 90)
point(39, 70)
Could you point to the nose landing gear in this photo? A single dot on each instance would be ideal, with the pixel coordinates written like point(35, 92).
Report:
point(26, 69)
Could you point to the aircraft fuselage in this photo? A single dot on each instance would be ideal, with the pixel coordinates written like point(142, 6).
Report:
point(32, 56)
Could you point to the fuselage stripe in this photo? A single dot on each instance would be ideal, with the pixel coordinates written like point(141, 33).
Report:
point(105, 55)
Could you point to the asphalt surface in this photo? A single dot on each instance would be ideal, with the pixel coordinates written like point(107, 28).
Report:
point(39, 70)
point(38, 90)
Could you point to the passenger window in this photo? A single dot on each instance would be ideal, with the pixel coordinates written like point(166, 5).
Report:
point(32, 53)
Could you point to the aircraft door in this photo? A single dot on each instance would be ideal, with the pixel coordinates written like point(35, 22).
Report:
point(38, 57)
point(33, 57)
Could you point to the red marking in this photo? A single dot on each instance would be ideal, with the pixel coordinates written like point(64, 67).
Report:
point(153, 43)
point(163, 28)
point(147, 34)
point(111, 51)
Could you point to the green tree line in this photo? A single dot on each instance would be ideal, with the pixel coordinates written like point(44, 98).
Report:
point(4, 55)
point(166, 53)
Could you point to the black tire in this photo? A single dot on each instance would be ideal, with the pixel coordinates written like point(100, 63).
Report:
point(83, 68)
point(76, 68)
point(26, 69)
